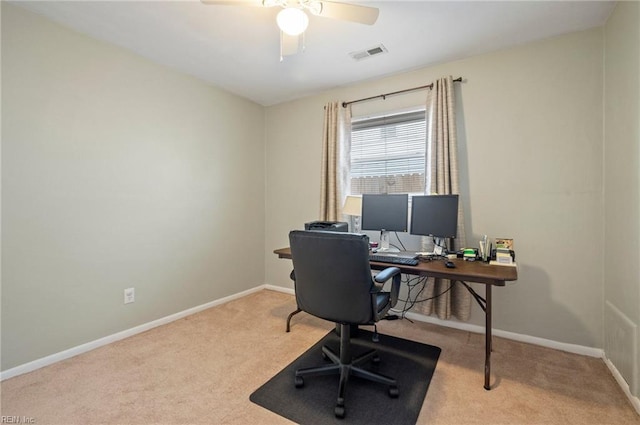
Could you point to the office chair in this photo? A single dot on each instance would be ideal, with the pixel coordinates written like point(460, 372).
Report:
point(334, 282)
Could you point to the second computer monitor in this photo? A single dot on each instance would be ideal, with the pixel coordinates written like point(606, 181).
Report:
point(434, 215)
point(385, 212)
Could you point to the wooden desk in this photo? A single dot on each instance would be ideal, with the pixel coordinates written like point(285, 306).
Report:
point(465, 271)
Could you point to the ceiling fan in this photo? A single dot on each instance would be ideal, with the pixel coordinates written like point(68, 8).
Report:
point(293, 21)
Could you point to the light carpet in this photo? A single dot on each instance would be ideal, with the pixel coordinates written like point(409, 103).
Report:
point(203, 368)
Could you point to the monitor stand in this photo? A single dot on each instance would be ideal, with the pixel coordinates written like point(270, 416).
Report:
point(384, 243)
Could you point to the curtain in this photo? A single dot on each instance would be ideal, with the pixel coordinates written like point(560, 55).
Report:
point(442, 179)
point(336, 158)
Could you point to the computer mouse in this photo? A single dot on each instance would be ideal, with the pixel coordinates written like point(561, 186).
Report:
point(450, 264)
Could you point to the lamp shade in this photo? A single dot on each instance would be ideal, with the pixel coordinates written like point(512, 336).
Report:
point(292, 21)
point(352, 205)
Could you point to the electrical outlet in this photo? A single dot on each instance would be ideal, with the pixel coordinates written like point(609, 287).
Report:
point(129, 295)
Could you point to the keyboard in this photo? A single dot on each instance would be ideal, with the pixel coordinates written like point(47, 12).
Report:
point(394, 259)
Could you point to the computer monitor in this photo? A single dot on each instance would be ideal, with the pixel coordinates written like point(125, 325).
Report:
point(386, 213)
point(434, 215)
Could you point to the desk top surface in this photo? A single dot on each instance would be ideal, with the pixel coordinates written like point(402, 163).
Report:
point(472, 271)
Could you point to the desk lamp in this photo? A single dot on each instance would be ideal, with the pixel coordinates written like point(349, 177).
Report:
point(353, 207)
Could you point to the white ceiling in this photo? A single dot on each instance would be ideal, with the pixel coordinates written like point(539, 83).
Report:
point(237, 47)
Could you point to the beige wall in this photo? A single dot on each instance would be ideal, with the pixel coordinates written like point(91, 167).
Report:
point(622, 191)
point(530, 127)
point(117, 173)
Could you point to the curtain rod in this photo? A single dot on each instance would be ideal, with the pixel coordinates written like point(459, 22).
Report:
point(384, 96)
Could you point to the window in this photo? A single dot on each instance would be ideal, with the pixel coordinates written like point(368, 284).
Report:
point(388, 154)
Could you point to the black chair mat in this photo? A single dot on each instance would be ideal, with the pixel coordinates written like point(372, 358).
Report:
point(411, 363)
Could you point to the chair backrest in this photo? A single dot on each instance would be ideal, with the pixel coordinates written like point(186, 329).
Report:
point(332, 275)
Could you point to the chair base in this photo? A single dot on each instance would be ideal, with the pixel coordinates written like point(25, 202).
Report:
point(346, 366)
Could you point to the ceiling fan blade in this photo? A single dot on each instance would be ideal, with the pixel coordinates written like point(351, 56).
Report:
point(349, 12)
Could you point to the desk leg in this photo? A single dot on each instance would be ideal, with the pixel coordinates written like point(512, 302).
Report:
point(488, 340)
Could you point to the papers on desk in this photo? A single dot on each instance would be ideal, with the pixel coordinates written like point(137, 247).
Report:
point(496, 263)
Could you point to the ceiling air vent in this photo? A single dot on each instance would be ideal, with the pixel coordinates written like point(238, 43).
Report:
point(363, 54)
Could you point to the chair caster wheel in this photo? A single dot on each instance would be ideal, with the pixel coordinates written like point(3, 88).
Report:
point(393, 392)
point(299, 382)
point(339, 412)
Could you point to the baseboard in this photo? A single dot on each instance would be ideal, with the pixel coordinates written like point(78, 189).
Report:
point(635, 401)
point(289, 291)
point(570, 348)
point(80, 349)
point(48, 360)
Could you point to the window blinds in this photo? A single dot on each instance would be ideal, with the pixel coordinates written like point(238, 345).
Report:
point(388, 154)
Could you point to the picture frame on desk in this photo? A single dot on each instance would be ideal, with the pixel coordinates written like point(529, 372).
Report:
point(505, 243)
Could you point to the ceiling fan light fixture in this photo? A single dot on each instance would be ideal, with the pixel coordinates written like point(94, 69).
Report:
point(292, 21)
